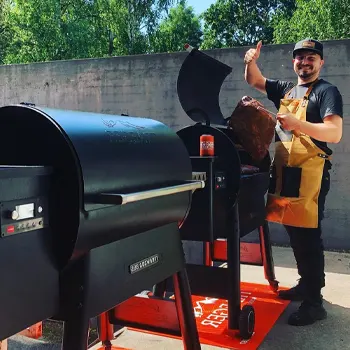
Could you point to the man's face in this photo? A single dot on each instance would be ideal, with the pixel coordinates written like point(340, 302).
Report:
point(307, 64)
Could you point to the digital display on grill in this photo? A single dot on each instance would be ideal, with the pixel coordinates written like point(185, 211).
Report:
point(24, 211)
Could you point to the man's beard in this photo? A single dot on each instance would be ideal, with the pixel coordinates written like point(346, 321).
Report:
point(305, 74)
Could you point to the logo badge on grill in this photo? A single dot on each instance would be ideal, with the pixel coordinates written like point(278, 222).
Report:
point(144, 264)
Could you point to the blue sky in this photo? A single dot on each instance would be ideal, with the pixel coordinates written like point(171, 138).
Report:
point(200, 5)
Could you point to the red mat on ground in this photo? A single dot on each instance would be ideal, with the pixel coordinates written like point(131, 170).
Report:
point(267, 311)
point(213, 329)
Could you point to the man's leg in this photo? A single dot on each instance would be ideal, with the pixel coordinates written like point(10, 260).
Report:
point(296, 293)
point(308, 250)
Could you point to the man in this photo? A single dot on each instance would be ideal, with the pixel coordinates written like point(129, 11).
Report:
point(310, 116)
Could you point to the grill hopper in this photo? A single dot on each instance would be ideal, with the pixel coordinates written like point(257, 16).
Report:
point(29, 275)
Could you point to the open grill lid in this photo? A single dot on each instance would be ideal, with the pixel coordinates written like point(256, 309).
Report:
point(198, 87)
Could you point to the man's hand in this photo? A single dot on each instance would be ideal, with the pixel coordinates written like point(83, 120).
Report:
point(253, 54)
point(252, 73)
point(288, 121)
point(331, 130)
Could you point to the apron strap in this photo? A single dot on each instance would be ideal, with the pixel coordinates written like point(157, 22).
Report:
point(306, 96)
point(289, 91)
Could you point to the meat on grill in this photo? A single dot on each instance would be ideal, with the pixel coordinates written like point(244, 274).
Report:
point(253, 128)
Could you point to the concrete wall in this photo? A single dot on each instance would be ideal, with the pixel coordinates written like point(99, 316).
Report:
point(145, 86)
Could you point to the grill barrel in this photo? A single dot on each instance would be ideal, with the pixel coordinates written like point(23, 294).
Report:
point(94, 156)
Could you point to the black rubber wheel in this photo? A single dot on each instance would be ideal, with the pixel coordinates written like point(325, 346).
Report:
point(246, 322)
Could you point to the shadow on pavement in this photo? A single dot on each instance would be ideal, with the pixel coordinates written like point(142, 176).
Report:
point(330, 334)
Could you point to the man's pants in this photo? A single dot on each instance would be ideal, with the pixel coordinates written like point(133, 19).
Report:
point(308, 249)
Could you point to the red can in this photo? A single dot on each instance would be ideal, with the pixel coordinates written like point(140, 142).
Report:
point(206, 147)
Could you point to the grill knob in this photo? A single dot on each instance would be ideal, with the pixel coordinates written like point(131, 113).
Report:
point(14, 215)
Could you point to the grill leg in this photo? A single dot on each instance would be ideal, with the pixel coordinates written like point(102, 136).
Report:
point(105, 330)
point(159, 290)
point(76, 333)
point(234, 273)
point(266, 248)
point(184, 308)
point(207, 253)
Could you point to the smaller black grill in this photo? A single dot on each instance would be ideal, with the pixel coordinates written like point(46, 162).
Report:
point(232, 204)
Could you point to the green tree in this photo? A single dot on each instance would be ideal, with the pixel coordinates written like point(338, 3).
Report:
point(133, 22)
point(180, 27)
point(5, 29)
point(231, 23)
point(54, 30)
point(320, 19)
point(43, 30)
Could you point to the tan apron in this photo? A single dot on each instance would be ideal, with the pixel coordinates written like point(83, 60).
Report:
point(298, 169)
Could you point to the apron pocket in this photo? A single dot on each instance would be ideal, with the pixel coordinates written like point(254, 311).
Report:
point(291, 180)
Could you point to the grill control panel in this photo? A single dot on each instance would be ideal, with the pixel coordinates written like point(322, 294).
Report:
point(23, 216)
point(220, 180)
point(23, 226)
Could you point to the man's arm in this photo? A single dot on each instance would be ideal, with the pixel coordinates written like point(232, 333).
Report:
point(253, 75)
point(331, 130)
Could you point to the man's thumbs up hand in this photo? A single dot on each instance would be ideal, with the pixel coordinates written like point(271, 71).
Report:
point(253, 54)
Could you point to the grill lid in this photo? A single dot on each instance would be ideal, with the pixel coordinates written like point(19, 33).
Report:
point(198, 86)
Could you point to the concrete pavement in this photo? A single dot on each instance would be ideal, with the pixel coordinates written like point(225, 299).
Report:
point(330, 334)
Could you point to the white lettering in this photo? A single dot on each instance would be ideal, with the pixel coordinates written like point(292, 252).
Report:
point(207, 145)
point(220, 314)
point(144, 264)
point(223, 312)
point(211, 323)
point(217, 317)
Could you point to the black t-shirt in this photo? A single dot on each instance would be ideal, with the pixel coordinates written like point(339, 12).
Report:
point(324, 100)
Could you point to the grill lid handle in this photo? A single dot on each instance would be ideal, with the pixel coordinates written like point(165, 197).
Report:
point(121, 199)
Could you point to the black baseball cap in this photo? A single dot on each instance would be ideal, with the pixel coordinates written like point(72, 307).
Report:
point(310, 45)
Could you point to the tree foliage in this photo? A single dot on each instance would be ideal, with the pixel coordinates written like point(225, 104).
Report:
point(64, 29)
point(135, 21)
point(43, 30)
point(54, 30)
point(180, 27)
point(320, 19)
point(5, 29)
point(229, 23)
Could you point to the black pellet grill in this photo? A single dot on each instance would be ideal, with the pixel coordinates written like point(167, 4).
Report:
point(107, 195)
point(232, 204)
